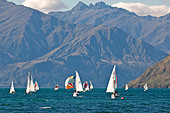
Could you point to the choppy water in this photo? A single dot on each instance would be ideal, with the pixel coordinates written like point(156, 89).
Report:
point(48, 100)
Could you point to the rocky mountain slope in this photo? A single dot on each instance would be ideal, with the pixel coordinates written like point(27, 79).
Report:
point(150, 29)
point(52, 50)
point(156, 76)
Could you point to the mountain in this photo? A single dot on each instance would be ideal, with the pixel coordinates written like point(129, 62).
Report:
point(156, 76)
point(52, 50)
point(152, 30)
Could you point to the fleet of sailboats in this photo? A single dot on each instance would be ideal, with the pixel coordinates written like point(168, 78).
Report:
point(75, 82)
point(31, 87)
point(112, 85)
point(12, 90)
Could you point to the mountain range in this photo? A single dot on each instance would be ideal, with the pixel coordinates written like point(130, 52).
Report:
point(152, 30)
point(156, 76)
point(52, 49)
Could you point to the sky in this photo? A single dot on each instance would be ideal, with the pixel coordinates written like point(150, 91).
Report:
point(140, 7)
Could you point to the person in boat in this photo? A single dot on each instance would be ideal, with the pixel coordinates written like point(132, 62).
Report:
point(115, 93)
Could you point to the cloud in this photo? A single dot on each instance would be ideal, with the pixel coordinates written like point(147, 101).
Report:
point(166, 1)
point(45, 5)
point(144, 10)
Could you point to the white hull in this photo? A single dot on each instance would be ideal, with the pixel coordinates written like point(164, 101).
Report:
point(75, 94)
point(113, 96)
point(55, 88)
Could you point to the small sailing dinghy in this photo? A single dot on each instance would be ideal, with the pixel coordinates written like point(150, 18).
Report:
point(145, 87)
point(126, 87)
point(12, 90)
point(30, 85)
point(78, 85)
point(86, 86)
point(56, 87)
point(36, 87)
point(90, 85)
point(112, 85)
point(69, 82)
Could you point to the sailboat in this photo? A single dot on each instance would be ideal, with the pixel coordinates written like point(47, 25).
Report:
point(86, 86)
point(32, 89)
point(126, 87)
point(28, 84)
point(12, 90)
point(69, 82)
point(56, 87)
point(36, 87)
point(145, 87)
point(78, 85)
point(91, 85)
point(112, 85)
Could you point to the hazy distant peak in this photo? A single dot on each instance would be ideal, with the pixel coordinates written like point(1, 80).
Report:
point(80, 6)
point(2, 0)
point(100, 5)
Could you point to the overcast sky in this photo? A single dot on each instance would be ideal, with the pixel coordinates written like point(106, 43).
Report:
point(140, 7)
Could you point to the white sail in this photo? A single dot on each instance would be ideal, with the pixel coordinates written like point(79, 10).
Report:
point(91, 85)
point(78, 83)
point(126, 87)
point(36, 86)
point(112, 85)
point(31, 85)
point(28, 84)
point(12, 90)
point(145, 87)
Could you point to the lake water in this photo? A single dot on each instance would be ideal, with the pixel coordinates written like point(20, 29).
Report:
point(97, 100)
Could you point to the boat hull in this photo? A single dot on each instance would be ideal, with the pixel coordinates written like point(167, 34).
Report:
point(113, 96)
point(75, 94)
point(55, 88)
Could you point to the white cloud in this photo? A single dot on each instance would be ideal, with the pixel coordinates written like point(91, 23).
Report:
point(144, 10)
point(45, 5)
